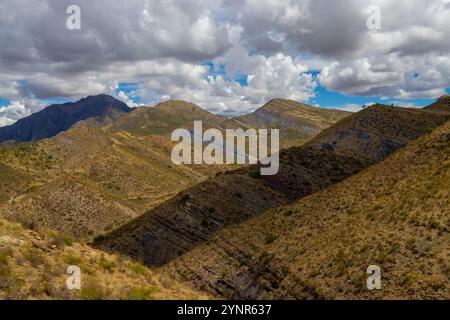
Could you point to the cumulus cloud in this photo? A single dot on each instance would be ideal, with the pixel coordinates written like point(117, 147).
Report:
point(258, 49)
point(18, 109)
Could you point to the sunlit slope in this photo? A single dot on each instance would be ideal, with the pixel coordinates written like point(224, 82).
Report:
point(394, 215)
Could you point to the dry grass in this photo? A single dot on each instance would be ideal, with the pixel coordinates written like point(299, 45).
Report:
point(32, 266)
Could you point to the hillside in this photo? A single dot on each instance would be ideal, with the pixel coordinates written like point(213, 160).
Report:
point(33, 266)
point(165, 117)
point(196, 214)
point(441, 105)
point(377, 131)
point(88, 180)
point(394, 214)
point(297, 122)
point(61, 117)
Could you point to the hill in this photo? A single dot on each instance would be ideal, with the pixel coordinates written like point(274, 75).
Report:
point(193, 216)
point(441, 105)
point(165, 117)
point(61, 117)
point(297, 122)
point(394, 215)
point(33, 266)
point(375, 132)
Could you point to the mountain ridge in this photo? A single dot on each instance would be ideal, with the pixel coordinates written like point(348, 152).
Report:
point(57, 118)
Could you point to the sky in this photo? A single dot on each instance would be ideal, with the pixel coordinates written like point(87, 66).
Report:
point(228, 56)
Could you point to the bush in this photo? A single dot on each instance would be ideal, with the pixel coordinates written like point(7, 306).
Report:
point(59, 239)
point(106, 264)
point(71, 260)
point(270, 238)
point(92, 293)
point(140, 293)
point(34, 257)
point(410, 278)
point(255, 174)
point(137, 268)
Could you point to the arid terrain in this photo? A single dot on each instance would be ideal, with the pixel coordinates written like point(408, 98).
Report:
point(352, 190)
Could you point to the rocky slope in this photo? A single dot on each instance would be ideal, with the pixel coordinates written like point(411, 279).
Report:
point(377, 132)
point(394, 215)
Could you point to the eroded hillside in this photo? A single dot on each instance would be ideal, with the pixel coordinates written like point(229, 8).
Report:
point(394, 215)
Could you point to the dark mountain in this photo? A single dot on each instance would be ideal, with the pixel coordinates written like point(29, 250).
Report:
point(61, 117)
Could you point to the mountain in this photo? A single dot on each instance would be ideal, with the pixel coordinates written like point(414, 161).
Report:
point(394, 215)
point(33, 266)
point(441, 105)
point(61, 117)
point(165, 117)
point(298, 122)
point(194, 215)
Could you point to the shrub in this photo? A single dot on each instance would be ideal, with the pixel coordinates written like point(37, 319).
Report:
point(34, 257)
point(140, 293)
point(92, 292)
point(255, 174)
point(410, 278)
point(72, 260)
point(59, 239)
point(270, 238)
point(137, 268)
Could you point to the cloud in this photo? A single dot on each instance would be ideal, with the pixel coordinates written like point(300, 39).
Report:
point(167, 47)
point(17, 110)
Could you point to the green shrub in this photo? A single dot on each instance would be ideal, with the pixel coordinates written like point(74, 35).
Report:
point(410, 278)
point(92, 293)
point(106, 264)
point(72, 260)
point(137, 268)
point(255, 174)
point(141, 293)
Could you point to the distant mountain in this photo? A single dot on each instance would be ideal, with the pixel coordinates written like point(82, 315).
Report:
point(166, 117)
point(61, 117)
point(194, 215)
point(393, 215)
point(298, 122)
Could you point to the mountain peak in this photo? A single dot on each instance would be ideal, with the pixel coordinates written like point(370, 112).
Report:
point(178, 105)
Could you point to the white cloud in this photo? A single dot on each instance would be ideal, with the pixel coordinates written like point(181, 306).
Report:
point(164, 45)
